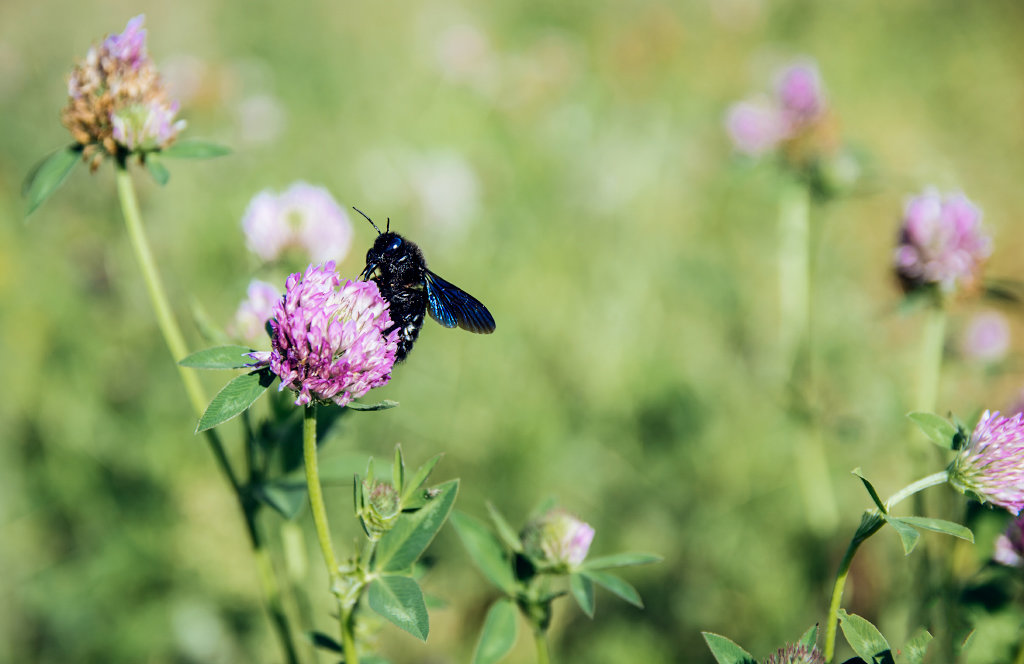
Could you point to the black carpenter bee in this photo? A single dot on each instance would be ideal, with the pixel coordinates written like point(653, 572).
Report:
point(397, 266)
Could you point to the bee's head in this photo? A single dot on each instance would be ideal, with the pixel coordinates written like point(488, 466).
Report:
point(391, 256)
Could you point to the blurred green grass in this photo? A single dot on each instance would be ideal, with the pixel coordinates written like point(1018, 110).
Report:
point(626, 255)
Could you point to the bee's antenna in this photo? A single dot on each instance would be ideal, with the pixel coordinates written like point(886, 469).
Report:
point(388, 227)
point(370, 220)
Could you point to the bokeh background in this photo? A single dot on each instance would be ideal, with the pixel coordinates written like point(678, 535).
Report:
point(565, 163)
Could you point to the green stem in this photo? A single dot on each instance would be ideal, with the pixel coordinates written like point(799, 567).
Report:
point(348, 635)
point(346, 613)
point(934, 479)
point(540, 639)
point(870, 524)
point(794, 269)
point(930, 366)
point(157, 296)
point(795, 340)
point(176, 345)
point(316, 494)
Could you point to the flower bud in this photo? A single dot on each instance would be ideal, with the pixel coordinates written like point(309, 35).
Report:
point(381, 507)
point(557, 539)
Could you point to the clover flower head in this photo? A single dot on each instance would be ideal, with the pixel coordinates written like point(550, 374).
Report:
point(330, 341)
point(557, 539)
point(1009, 547)
point(991, 465)
point(941, 243)
point(253, 313)
point(117, 103)
point(303, 216)
point(987, 337)
point(796, 654)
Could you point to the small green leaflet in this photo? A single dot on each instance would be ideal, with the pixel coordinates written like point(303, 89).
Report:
point(865, 639)
point(615, 585)
point(234, 398)
point(400, 600)
point(219, 357)
point(505, 531)
point(399, 548)
point(726, 651)
point(914, 650)
point(383, 405)
point(621, 560)
point(194, 149)
point(810, 637)
point(939, 431)
point(583, 590)
point(486, 551)
point(157, 169)
point(498, 634)
point(48, 175)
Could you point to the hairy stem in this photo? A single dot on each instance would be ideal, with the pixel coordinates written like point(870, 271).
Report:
point(175, 341)
point(346, 613)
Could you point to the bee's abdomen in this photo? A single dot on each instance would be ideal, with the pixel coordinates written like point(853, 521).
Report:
point(408, 306)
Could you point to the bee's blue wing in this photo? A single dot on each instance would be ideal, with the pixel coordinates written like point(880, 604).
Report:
point(451, 306)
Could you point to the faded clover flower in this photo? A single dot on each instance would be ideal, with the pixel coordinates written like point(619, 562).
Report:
point(303, 216)
point(991, 464)
point(557, 539)
point(941, 244)
point(117, 102)
point(329, 340)
point(796, 654)
point(1009, 548)
point(254, 312)
point(796, 119)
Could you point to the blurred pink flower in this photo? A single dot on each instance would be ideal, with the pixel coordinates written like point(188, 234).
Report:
point(795, 115)
point(303, 216)
point(987, 337)
point(801, 94)
point(1009, 548)
point(253, 313)
point(991, 465)
point(941, 243)
point(755, 127)
point(328, 340)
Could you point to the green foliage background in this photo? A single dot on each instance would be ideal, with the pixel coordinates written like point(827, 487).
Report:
point(627, 256)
